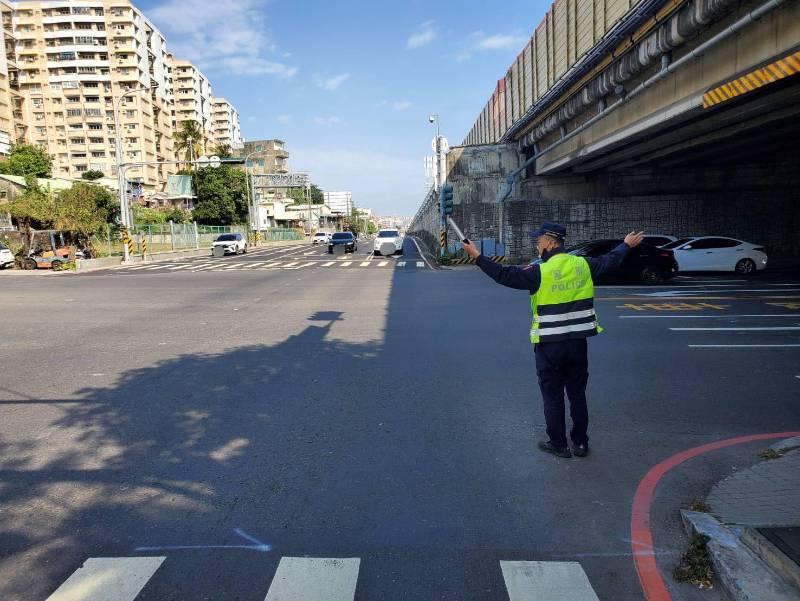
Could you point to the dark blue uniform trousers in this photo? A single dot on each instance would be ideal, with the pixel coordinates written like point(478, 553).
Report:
point(564, 365)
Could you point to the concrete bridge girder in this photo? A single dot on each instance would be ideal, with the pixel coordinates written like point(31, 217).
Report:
point(679, 97)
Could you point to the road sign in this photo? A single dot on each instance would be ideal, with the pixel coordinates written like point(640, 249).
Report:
point(202, 161)
point(214, 161)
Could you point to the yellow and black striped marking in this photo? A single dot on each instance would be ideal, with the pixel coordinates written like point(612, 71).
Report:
point(127, 241)
point(471, 261)
point(442, 238)
point(143, 244)
point(777, 70)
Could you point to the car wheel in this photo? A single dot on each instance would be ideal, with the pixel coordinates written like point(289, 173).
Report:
point(746, 267)
point(29, 264)
point(651, 275)
point(376, 253)
point(244, 250)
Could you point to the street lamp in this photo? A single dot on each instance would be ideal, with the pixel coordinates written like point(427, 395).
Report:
point(437, 176)
point(251, 194)
point(123, 196)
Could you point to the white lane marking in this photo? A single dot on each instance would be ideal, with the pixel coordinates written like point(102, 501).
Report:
point(314, 579)
point(546, 581)
point(308, 253)
point(199, 266)
point(310, 263)
point(176, 267)
point(347, 264)
point(234, 266)
point(419, 250)
point(720, 316)
point(364, 264)
point(108, 579)
point(677, 293)
point(420, 264)
point(328, 264)
point(383, 263)
point(401, 263)
point(754, 329)
point(291, 264)
point(744, 346)
point(137, 268)
point(154, 267)
point(214, 266)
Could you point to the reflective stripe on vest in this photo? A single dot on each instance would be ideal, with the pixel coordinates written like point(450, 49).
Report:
point(563, 307)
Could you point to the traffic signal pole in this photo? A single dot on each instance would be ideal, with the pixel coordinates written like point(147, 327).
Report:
point(445, 209)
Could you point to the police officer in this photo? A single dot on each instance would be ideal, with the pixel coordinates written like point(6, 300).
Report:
point(562, 305)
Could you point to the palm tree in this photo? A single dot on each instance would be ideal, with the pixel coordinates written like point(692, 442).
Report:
point(188, 140)
point(223, 151)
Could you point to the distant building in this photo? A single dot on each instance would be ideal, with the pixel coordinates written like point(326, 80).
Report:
point(193, 99)
point(268, 156)
point(227, 129)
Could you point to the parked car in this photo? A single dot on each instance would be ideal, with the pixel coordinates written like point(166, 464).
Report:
point(388, 237)
point(646, 263)
point(347, 239)
point(6, 257)
point(658, 239)
point(321, 238)
point(232, 243)
point(716, 253)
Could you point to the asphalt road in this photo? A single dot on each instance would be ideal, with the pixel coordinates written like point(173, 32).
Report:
point(244, 422)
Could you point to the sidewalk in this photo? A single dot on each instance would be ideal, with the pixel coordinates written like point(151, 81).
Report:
point(753, 527)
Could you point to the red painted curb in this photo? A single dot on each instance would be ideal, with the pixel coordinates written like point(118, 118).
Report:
point(644, 558)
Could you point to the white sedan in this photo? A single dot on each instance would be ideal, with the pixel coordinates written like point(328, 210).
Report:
point(714, 253)
point(388, 242)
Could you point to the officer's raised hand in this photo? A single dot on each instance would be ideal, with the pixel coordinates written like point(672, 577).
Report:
point(470, 248)
point(633, 239)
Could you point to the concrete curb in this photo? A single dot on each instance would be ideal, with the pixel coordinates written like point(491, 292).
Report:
point(740, 572)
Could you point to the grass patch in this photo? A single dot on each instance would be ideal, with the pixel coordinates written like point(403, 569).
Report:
point(695, 565)
point(700, 506)
point(776, 453)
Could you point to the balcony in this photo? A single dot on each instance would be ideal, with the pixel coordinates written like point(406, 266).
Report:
point(53, 19)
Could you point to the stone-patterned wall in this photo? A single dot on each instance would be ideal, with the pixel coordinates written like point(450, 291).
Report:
point(757, 203)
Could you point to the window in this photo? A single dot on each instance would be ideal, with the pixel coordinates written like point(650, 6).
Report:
point(710, 243)
point(78, 155)
point(98, 154)
point(133, 140)
point(73, 99)
point(76, 126)
point(81, 168)
point(77, 140)
point(87, 70)
point(92, 98)
point(95, 126)
point(677, 243)
point(73, 112)
point(93, 112)
point(96, 140)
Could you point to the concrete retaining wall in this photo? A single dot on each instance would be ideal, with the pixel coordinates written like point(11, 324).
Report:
point(757, 203)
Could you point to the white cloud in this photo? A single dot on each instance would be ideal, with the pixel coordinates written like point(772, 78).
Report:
point(331, 83)
point(327, 121)
point(424, 35)
point(284, 119)
point(401, 105)
point(501, 42)
point(478, 41)
point(230, 37)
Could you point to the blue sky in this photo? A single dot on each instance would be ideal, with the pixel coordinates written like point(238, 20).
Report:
point(348, 85)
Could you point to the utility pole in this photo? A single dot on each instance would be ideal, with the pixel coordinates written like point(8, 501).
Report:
point(121, 185)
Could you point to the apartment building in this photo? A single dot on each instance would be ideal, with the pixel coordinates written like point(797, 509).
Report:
point(75, 59)
point(8, 74)
point(268, 156)
point(193, 100)
point(227, 130)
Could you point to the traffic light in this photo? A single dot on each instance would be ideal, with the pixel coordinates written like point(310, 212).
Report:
point(447, 199)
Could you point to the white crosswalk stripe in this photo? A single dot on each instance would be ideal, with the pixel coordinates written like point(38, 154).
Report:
point(317, 579)
point(546, 581)
point(314, 579)
point(108, 579)
point(383, 263)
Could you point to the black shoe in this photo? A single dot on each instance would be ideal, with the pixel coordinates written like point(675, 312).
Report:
point(580, 450)
point(549, 447)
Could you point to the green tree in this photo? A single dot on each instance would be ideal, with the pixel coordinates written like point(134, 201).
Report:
point(298, 195)
point(178, 215)
point(84, 209)
point(143, 214)
point(189, 140)
point(92, 175)
point(27, 159)
point(221, 196)
point(33, 208)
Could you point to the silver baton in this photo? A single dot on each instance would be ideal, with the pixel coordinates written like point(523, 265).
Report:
point(461, 235)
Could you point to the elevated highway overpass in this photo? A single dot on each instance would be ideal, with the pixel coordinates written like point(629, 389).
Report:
point(678, 116)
